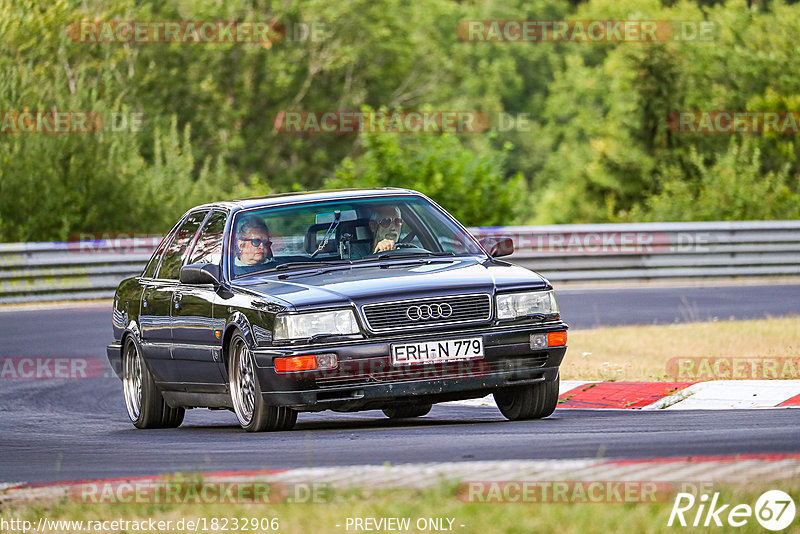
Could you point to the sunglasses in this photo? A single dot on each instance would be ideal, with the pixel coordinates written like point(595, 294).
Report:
point(256, 242)
point(386, 222)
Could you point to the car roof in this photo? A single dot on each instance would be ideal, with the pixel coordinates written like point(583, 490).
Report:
point(309, 196)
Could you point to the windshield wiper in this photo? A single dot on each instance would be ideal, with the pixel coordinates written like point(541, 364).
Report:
point(310, 264)
point(406, 255)
point(325, 266)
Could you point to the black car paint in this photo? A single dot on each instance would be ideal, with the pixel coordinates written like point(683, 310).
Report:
point(183, 329)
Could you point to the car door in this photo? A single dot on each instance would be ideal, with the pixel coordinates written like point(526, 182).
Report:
point(195, 346)
point(157, 298)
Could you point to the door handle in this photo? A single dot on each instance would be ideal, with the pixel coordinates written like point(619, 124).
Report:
point(178, 297)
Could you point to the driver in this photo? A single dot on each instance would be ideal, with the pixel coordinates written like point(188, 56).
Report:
point(385, 224)
point(252, 243)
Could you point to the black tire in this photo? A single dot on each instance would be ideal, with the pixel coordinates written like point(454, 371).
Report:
point(253, 413)
point(407, 411)
point(534, 401)
point(146, 407)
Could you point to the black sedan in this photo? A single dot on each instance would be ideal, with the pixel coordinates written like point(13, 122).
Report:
point(332, 300)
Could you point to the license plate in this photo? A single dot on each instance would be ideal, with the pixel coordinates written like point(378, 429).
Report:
point(437, 351)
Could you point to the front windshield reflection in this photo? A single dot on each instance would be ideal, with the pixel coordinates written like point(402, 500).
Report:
point(342, 232)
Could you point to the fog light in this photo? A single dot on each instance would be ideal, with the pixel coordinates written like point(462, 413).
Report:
point(538, 341)
point(327, 361)
point(557, 339)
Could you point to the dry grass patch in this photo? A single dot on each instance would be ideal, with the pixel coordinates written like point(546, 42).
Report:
point(642, 352)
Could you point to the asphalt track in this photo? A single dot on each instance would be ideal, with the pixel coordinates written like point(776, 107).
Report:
point(78, 429)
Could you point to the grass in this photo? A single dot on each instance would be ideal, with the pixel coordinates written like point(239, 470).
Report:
point(641, 352)
point(437, 502)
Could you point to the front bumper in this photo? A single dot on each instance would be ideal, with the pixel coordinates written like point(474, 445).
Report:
point(366, 378)
point(114, 354)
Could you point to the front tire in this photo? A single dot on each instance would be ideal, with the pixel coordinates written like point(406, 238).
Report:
point(534, 401)
point(253, 413)
point(407, 412)
point(146, 407)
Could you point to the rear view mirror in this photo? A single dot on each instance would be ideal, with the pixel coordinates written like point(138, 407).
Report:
point(346, 215)
point(498, 246)
point(200, 273)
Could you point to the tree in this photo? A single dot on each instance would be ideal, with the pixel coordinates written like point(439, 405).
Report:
point(473, 187)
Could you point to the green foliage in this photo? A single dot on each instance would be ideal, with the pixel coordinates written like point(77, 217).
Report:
point(472, 188)
point(733, 187)
point(612, 156)
point(599, 148)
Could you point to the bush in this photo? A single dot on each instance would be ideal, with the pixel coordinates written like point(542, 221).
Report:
point(471, 186)
point(732, 187)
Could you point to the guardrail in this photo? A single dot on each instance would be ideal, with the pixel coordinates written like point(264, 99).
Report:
point(31, 272)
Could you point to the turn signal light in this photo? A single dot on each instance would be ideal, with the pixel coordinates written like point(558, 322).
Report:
point(295, 363)
point(309, 362)
point(557, 339)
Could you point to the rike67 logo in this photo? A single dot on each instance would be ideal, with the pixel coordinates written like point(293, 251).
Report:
point(774, 510)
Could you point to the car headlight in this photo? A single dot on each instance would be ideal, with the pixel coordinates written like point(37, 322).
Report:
point(515, 305)
point(303, 325)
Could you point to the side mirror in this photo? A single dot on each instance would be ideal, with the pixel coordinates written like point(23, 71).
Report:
point(498, 246)
point(200, 273)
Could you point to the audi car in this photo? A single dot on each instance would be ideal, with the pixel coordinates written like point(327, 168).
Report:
point(340, 300)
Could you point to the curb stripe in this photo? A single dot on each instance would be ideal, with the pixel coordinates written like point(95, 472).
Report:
point(212, 474)
point(794, 401)
point(739, 469)
point(730, 395)
point(619, 395)
point(709, 395)
point(701, 459)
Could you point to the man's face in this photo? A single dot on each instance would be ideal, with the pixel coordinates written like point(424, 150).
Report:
point(254, 247)
point(387, 225)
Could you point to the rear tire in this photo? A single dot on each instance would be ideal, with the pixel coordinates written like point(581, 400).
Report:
point(407, 412)
point(146, 407)
point(253, 413)
point(534, 401)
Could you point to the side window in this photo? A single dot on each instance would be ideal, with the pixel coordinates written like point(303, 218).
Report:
point(445, 233)
point(208, 247)
point(176, 250)
point(150, 270)
point(408, 234)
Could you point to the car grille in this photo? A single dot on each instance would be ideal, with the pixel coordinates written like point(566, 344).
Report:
point(381, 372)
point(428, 312)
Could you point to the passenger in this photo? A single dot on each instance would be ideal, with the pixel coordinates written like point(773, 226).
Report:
point(253, 247)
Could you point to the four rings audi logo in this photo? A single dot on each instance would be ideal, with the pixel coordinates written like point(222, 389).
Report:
point(429, 311)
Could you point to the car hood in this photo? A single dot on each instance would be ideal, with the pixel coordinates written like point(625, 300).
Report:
point(399, 280)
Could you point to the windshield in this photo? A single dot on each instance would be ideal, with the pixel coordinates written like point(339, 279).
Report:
point(343, 231)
